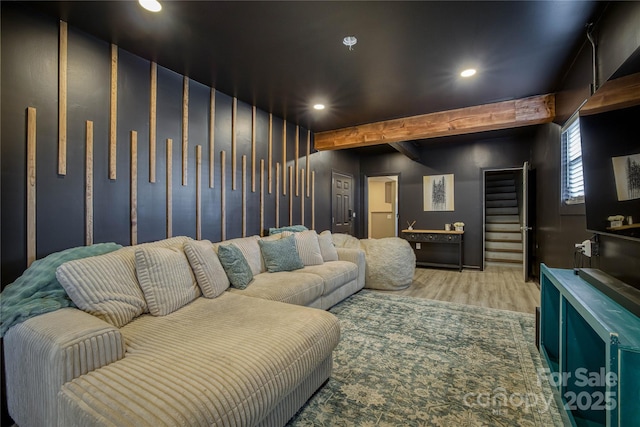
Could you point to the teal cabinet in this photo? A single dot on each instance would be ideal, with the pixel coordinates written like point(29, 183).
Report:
point(592, 348)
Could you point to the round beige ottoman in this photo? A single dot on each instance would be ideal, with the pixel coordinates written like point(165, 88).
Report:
point(391, 263)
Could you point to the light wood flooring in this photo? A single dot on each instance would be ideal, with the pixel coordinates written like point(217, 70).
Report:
point(495, 287)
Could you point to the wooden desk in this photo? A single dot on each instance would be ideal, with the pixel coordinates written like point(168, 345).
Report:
point(436, 236)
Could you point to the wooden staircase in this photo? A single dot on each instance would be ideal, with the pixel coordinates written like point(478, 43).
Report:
point(503, 239)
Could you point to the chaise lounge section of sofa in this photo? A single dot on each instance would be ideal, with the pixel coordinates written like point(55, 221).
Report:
point(151, 344)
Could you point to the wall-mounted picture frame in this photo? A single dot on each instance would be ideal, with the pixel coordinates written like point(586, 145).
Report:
point(438, 192)
point(626, 170)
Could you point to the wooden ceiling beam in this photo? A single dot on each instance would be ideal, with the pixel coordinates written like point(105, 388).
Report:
point(480, 118)
point(619, 93)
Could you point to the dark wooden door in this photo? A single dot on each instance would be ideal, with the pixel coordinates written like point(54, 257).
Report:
point(341, 203)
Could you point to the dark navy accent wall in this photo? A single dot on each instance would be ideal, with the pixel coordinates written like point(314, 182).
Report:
point(30, 79)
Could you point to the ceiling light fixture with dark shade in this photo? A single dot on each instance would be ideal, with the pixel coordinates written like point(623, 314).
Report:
point(151, 5)
point(350, 41)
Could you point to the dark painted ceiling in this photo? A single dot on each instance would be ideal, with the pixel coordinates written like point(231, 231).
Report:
point(285, 56)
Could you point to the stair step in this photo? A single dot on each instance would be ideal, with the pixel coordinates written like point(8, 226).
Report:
point(500, 175)
point(503, 246)
point(502, 211)
point(510, 250)
point(501, 203)
point(501, 183)
point(503, 189)
point(502, 264)
point(503, 219)
point(514, 228)
point(500, 196)
point(503, 256)
point(503, 237)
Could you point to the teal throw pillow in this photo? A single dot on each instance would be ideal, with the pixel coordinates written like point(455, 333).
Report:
point(280, 255)
point(292, 228)
point(235, 265)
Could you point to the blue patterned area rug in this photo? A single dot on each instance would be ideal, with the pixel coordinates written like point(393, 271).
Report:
point(406, 361)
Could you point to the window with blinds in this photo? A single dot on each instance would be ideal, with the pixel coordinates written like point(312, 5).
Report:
point(572, 179)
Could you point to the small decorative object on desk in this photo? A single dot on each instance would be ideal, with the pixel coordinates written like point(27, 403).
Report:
point(447, 227)
point(459, 226)
point(410, 225)
point(615, 220)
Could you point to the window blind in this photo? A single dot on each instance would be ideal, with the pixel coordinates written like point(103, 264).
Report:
point(572, 179)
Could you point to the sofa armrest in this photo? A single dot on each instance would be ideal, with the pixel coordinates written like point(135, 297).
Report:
point(357, 257)
point(46, 351)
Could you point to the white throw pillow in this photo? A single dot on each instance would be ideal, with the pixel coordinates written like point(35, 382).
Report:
point(307, 246)
point(106, 285)
point(206, 266)
point(251, 250)
point(166, 279)
point(327, 248)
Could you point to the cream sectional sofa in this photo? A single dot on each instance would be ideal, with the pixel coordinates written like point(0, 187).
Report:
point(160, 339)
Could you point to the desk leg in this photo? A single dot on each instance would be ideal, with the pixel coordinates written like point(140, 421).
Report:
point(460, 254)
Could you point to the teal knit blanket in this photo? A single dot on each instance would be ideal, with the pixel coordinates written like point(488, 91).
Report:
point(38, 291)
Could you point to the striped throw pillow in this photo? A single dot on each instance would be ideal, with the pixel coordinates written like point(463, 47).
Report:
point(207, 268)
point(307, 246)
point(166, 279)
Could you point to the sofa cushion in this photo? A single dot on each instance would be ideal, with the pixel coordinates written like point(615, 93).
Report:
point(334, 274)
point(207, 268)
point(307, 246)
point(280, 255)
point(251, 251)
point(235, 265)
point(292, 287)
point(106, 285)
point(166, 279)
point(327, 248)
point(244, 356)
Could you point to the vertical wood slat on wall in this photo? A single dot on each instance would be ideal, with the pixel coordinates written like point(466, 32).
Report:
point(270, 154)
point(113, 112)
point(133, 192)
point(199, 192)
point(185, 129)
point(313, 200)
point(253, 149)
point(302, 197)
point(295, 159)
point(88, 185)
point(284, 158)
point(169, 188)
point(244, 196)
point(62, 100)
point(153, 102)
point(212, 135)
point(261, 197)
point(308, 161)
point(234, 118)
point(31, 185)
point(290, 195)
point(277, 194)
point(223, 199)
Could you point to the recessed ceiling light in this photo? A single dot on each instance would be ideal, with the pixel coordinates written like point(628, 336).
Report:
point(318, 106)
point(468, 72)
point(151, 5)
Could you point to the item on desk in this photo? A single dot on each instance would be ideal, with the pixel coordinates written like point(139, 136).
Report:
point(410, 225)
point(459, 225)
point(447, 227)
